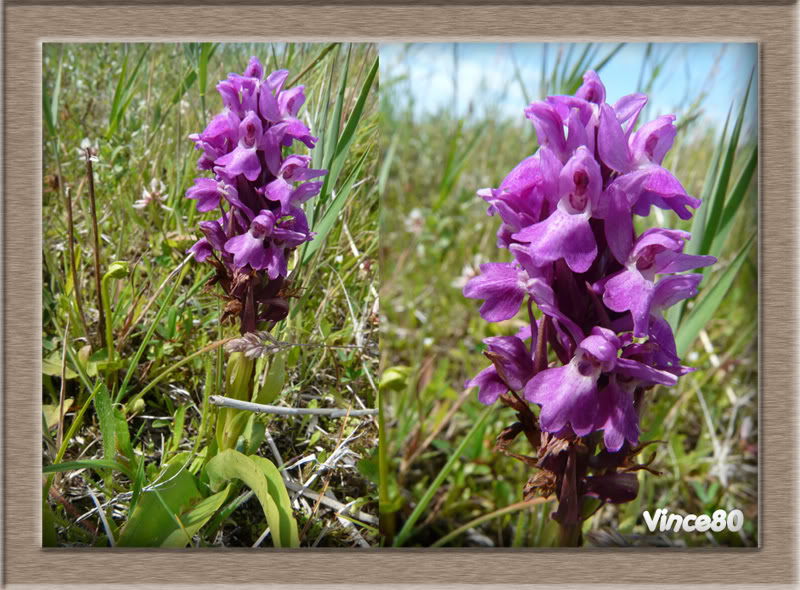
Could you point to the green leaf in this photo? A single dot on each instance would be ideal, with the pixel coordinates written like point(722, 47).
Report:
point(720, 190)
point(261, 476)
point(138, 484)
point(52, 366)
point(733, 203)
point(707, 306)
point(155, 518)
point(395, 378)
point(177, 430)
point(280, 495)
point(87, 464)
point(195, 519)
point(273, 382)
point(332, 131)
point(113, 427)
point(255, 433)
point(115, 102)
point(206, 52)
point(49, 538)
point(51, 412)
point(386, 166)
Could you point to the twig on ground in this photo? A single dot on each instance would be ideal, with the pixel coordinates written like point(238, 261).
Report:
point(331, 503)
point(327, 479)
point(102, 515)
point(226, 402)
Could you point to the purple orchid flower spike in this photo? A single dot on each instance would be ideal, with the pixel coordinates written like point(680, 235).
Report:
point(258, 189)
point(567, 220)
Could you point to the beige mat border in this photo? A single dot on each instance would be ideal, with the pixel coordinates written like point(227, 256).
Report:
point(26, 26)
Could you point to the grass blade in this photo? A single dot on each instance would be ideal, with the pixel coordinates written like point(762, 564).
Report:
point(707, 306)
point(87, 464)
point(115, 102)
point(405, 532)
point(454, 167)
point(675, 313)
point(325, 224)
point(310, 66)
point(733, 203)
point(718, 197)
point(56, 89)
point(345, 141)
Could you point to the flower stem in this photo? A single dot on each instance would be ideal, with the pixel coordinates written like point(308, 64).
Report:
point(106, 299)
point(90, 176)
point(75, 284)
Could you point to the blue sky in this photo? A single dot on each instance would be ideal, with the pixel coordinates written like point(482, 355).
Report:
point(486, 75)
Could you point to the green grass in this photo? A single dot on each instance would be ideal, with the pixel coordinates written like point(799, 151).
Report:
point(137, 103)
point(435, 232)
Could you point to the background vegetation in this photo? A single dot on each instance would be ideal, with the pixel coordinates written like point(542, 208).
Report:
point(441, 482)
point(135, 105)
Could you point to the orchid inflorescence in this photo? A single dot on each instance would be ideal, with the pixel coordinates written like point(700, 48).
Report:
point(258, 190)
point(567, 219)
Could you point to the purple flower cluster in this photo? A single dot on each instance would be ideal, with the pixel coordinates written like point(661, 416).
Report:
point(567, 219)
point(256, 189)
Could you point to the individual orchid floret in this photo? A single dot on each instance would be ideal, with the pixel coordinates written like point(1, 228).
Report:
point(503, 287)
point(616, 415)
point(657, 251)
point(592, 89)
point(249, 248)
point(244, 159)
point(209, 192)
point(642, 178)
point(566, 233)
point(525, 194)
point(294, 169)
point(568, 395)
point(511, 368)
point(220, 135)
point(549, 127)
